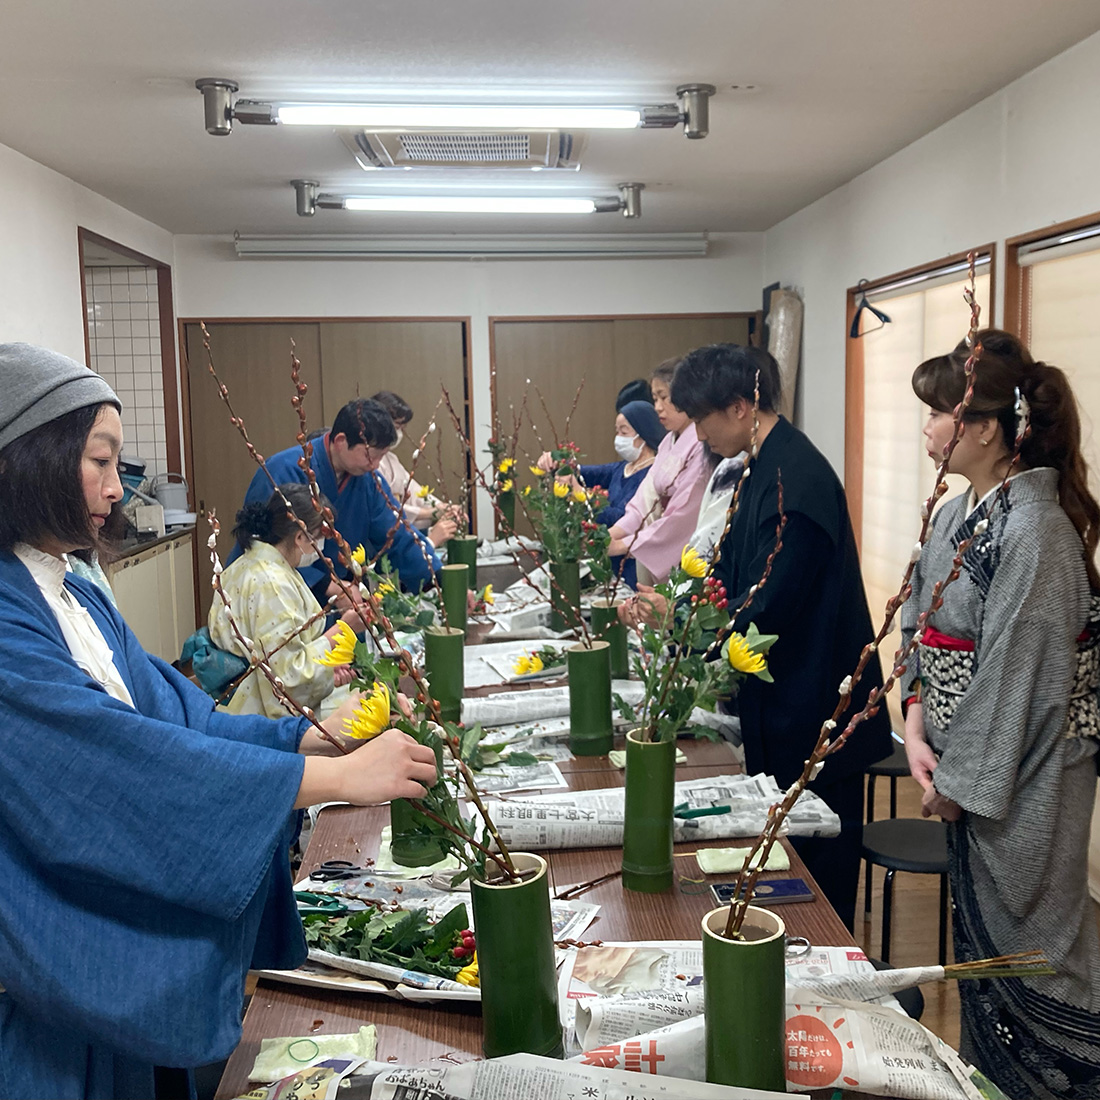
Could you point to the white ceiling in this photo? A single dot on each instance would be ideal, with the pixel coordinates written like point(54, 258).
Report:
point(104, 93)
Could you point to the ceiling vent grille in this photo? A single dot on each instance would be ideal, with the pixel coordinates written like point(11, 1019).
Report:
point(456, 150)
point(466, 148)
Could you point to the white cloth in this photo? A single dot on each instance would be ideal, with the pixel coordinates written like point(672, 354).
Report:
point(84, 639)
point(418, 509)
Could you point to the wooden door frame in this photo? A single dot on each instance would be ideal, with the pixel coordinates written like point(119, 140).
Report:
point(854, 411)
point(173, 445)
point(1017, 317)
point(754, 316)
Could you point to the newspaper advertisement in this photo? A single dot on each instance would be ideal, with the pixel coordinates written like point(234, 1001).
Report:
point(528, 1077)
point(594, 819)
point(862, 1041)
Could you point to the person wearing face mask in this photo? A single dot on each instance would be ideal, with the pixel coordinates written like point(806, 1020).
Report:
point(270, 602)
point(638, 434)
point(419, 509)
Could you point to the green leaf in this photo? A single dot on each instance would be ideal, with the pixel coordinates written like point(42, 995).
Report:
point(519, 759)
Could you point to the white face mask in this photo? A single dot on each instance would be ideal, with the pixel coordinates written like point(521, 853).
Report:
point(400, 436)
point(627, 449)
point(311, 556)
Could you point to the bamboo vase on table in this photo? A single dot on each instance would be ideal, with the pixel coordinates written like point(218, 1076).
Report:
point(443, 657)
point(648, 822)
point(590, 729)
point(415, 840)
point(462, 550)
point(565, 595)
point(744, 994)
point(515, 954)
point(606, 625)
point(506, 522)
point(453, 586)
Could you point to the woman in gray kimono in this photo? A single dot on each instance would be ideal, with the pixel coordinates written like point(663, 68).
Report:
point(1002, 720)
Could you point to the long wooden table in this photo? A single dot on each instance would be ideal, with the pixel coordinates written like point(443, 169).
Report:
point(411, 1032)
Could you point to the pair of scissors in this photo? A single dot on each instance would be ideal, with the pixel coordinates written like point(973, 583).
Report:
point(333, 869)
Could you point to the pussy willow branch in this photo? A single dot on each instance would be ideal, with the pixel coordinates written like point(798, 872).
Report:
point(746, 879)
point(249, 645)
point(549, 418)
point(586, 636)
point(376, 624)
point(573, 407)
point(507, 868)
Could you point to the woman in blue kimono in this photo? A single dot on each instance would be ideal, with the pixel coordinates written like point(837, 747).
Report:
point(143, 835)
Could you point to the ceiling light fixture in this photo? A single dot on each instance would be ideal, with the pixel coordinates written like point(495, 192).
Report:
point(308, 199)
point(691, 110)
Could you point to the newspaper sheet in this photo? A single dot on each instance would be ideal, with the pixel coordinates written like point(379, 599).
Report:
point(531, 706)
point(547, 738)
point(494, 662)
point(527, 1077)
point(862, 1040)
point(520, 777)
point(594, 819)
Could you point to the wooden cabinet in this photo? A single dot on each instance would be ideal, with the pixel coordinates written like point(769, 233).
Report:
point(155, 592)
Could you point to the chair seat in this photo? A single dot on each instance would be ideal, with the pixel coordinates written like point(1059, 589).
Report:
point(911, 844)
point(896, 764)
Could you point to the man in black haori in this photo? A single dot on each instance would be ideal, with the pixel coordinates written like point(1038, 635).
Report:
point(813, 599)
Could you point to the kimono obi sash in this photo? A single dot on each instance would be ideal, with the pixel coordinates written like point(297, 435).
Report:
point(947, 665)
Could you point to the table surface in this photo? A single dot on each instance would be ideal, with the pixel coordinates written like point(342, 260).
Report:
point(414, 1032)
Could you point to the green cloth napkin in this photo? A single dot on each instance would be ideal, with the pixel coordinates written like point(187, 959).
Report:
point(618, 757)
point(280, 1058)
point(718, 861)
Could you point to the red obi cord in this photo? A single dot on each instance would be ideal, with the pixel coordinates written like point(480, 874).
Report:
point(935, 640)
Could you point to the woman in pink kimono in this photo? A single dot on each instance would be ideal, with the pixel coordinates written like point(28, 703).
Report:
point(661, 516)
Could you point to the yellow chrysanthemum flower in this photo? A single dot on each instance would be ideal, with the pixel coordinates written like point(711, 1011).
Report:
point(487, 595)
point(528, 662)
point(359, 555)
point(384, 587)
point(536, 471)
point(506, 465)
point(424, 492)
point(561, 489)
point(343, 647)
point(527, 490)
point(372, 716)
point(742, 658)
point(580, 496)
point(693, 563)
point(506, 485)
point(468, 975)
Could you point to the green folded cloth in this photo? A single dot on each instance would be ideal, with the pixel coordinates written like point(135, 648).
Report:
point(718, 861)
point(280, 1058)
point(618, 757)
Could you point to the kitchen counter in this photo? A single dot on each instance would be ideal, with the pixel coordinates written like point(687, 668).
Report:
point(128, 547)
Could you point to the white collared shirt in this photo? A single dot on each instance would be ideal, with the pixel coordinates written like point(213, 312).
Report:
point(85, 640)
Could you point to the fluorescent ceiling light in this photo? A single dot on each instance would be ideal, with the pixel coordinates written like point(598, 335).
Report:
point(496, 246)
point(456, 204)
point(452, 117)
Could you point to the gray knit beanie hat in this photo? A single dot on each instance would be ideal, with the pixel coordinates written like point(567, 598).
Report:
point(38, 385)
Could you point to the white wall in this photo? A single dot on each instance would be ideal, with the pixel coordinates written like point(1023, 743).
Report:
point(1026, 157)
point(40, 272)
point(211, 282)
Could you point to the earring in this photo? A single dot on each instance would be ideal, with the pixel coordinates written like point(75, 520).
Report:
point(985, 442)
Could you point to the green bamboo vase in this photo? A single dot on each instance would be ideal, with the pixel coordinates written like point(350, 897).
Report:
point(453, 585)
point(462, 549)
point(506, 521)
point(515, 957)
point(744, 994)
point(443, 656)
point(606, 625)
point(590, 729)
point(415, 840)
point(647, 826)
point(565, 595)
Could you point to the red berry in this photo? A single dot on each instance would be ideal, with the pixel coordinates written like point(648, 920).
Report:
point(469, 943)
point(466, 932)
point(460, 952)
point(694, 599)
point(722, 603)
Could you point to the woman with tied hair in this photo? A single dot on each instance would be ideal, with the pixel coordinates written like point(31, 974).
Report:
point(1002, 720)
point(271, 602)
point(143, 835)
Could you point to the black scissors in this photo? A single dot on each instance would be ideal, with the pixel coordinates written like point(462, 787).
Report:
point(335, 869)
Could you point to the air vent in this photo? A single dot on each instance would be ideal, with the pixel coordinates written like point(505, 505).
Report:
point(456, 150)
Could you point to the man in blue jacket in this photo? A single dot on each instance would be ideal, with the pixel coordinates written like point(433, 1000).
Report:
point(345, 461)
